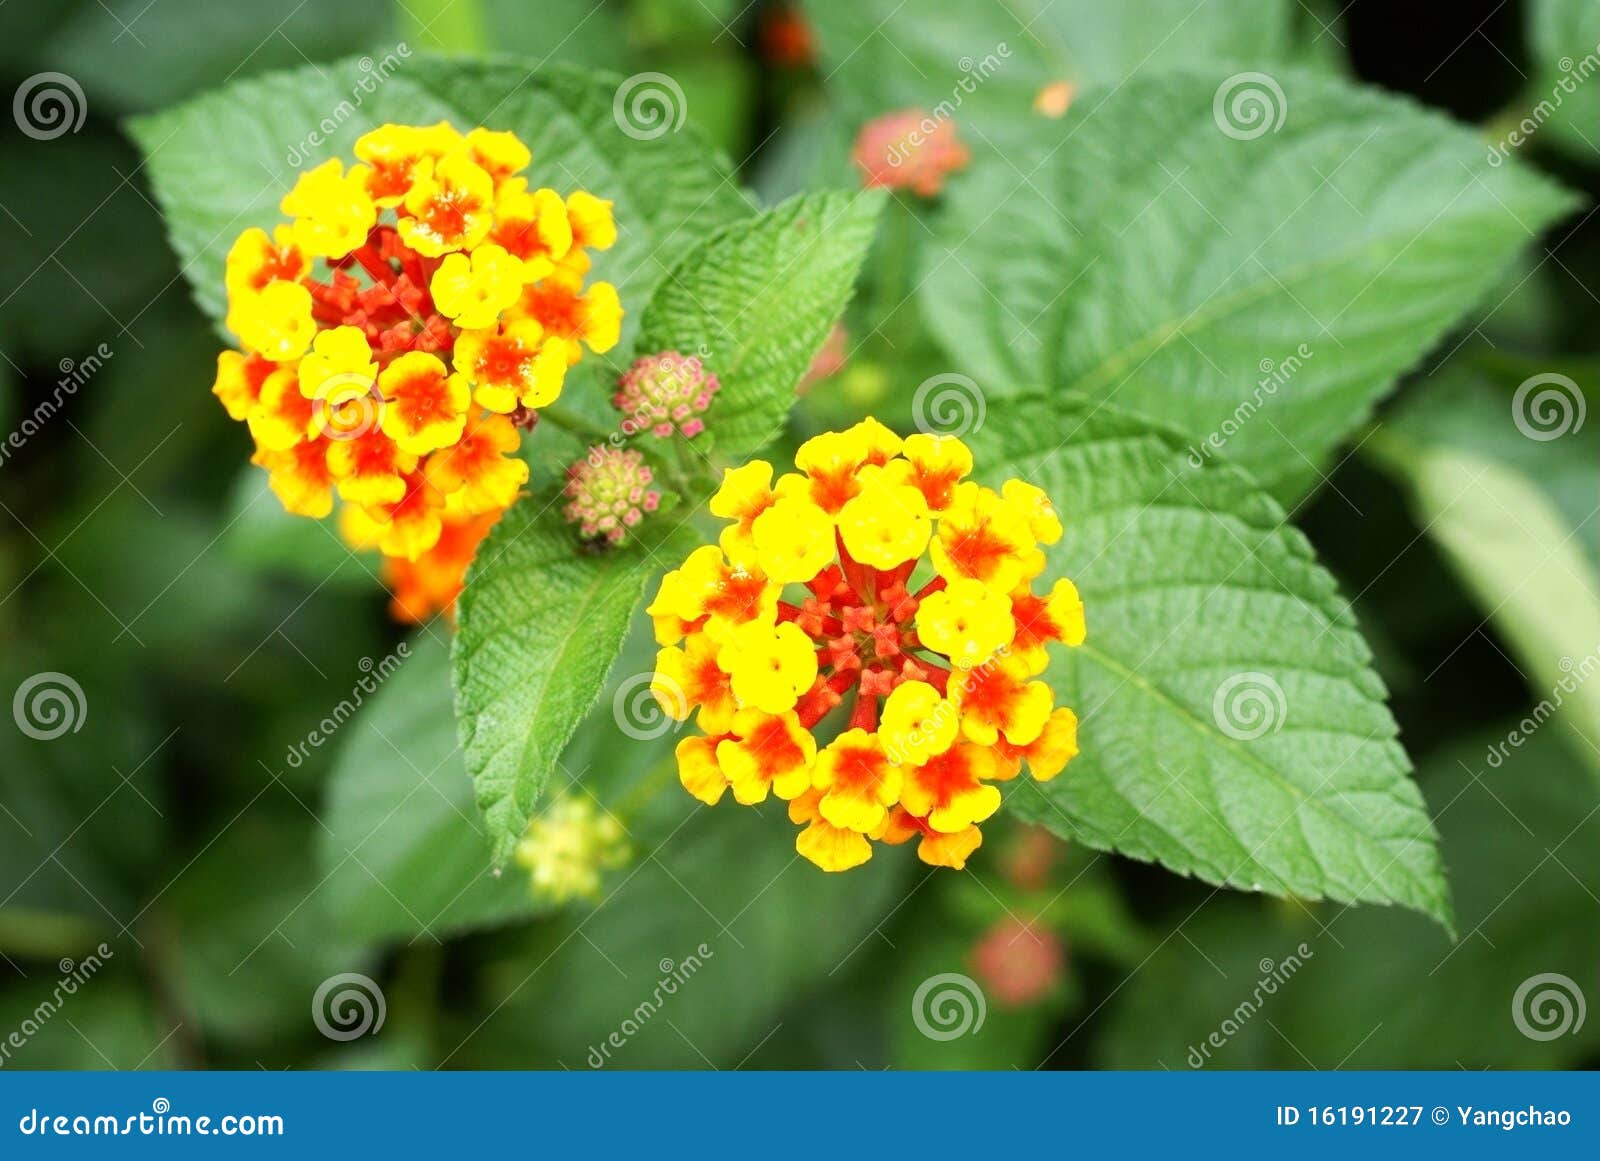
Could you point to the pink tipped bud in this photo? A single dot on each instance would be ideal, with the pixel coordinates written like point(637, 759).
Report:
point(665, 393)
point(609, 492)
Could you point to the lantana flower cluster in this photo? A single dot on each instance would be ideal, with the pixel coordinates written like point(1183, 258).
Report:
point(880, 582)
point(401, 331)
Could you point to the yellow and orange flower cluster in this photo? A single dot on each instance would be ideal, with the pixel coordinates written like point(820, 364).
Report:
point(399, 333)
point(918, 608)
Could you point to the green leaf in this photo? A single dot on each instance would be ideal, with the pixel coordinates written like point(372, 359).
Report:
point(1257, 294)
point(1511, 502)
point(1232, 727)
point(1385, 989)
point(985, 60)
point(220, 163)
point(721, 908)
point(541, 621)
point(405, 853)
point(757, 300)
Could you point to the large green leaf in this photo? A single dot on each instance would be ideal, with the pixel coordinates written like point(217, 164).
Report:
point(1384, 989)
point(987, 59)
point(404, 851)
point(1256, 284)
point(221, 162)
point(757, 300)
point(1511, 499)
point(541, 621)
point(1232, 727)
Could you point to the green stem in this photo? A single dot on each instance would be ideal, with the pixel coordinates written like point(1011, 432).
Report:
point(894, 273)
point(576, 424)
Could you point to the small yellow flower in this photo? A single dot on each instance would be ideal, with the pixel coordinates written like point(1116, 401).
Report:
point(917, 723)
point(793, 540)
point(332, 210)
point(425, 407)
point(473, 291)
point(769, 666)
point(857, 780)
point(767, 753)
point(450, 206)
point(746, 493)
point(340, 362)
point(966, 621)
point(592, 225)
point(498, 153)
point(885, 524)
point(275, 323)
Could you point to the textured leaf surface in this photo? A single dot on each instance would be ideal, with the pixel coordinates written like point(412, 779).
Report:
point(757, 300)
point(1385, 989)
point(221, 162)
point(405, 852)
point(1266, 291)
point(540, 623)
point(1232, 727)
